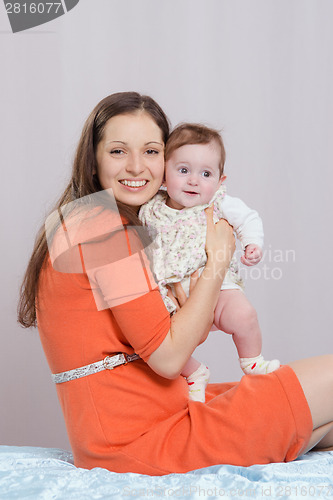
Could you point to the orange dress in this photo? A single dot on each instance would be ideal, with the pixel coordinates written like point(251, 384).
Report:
point(130, 419)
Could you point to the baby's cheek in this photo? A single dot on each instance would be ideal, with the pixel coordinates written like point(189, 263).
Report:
point(209, 192)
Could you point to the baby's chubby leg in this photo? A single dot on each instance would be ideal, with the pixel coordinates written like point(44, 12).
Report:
point(234, 314)
point(191, 366)
point(197, 376)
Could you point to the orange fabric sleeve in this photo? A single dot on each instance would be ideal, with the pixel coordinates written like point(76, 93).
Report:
point(144, 322)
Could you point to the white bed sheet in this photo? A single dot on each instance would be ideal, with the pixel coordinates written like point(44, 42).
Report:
point(47, 473)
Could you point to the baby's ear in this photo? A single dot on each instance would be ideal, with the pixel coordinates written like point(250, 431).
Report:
point(222, 179)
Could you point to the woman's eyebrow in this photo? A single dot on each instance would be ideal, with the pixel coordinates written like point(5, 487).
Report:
point(147, 143)
point(121, 142)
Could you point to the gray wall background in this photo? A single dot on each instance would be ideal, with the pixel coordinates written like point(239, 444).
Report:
point(261, 71)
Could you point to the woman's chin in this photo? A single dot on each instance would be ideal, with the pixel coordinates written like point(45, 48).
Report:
point(135, 196)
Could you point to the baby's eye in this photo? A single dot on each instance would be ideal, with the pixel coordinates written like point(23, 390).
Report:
point(183, 170)
point(206, 173)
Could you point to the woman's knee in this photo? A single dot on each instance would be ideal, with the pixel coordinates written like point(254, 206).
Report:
point(315, 367)
point(316, 378)
point(329, 359)
point(326, 363)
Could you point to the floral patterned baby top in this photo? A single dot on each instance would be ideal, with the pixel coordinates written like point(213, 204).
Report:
point(179, 236)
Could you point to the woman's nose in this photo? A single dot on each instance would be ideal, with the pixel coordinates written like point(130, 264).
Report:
point(135, 164)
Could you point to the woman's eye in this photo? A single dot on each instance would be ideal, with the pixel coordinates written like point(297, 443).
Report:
point(117, 151)
point(152, 152)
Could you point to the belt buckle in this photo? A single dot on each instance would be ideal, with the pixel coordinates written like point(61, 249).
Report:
point(111, 362)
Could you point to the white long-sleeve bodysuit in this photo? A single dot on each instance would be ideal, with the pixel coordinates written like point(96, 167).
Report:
point(179, 237)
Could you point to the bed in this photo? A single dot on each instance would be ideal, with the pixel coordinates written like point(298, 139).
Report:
point(48, 473)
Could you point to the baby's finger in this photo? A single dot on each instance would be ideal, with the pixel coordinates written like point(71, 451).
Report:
point(193, 279)
point(245, 261)
point(180, 294)
point(172, 297)
point(255, 254)
point(249, 252)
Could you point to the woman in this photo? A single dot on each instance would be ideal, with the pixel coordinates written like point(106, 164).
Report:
point(98, 298)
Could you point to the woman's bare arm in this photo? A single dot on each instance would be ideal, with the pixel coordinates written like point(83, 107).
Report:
point(191, 323)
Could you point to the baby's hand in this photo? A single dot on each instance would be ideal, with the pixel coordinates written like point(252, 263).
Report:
point(252, 255)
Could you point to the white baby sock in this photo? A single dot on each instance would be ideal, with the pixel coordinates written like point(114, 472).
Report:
point(258, 365)
point(197, 382)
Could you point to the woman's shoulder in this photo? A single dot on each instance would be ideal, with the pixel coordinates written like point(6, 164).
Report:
point(70, 227)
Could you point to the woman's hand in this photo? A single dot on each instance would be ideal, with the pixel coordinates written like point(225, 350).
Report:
point(179, 297)
point(220, 246)
point(220, 241)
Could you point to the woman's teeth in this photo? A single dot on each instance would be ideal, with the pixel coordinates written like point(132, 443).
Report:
point(134, 183)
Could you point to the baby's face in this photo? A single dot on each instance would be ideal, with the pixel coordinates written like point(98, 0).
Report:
point(192, 175)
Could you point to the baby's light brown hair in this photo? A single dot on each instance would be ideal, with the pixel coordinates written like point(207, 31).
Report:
point(194, 133)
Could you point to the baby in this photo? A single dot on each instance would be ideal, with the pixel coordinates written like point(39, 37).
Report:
point(176, 220)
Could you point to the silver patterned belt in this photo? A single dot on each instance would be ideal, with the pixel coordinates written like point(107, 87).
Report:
point(108, 363)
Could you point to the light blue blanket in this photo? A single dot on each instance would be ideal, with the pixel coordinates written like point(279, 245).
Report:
point(48, 473)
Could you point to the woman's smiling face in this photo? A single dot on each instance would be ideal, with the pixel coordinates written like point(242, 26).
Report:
point(130, 158)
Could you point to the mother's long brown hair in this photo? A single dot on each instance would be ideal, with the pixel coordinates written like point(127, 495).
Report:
point(84, 182)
